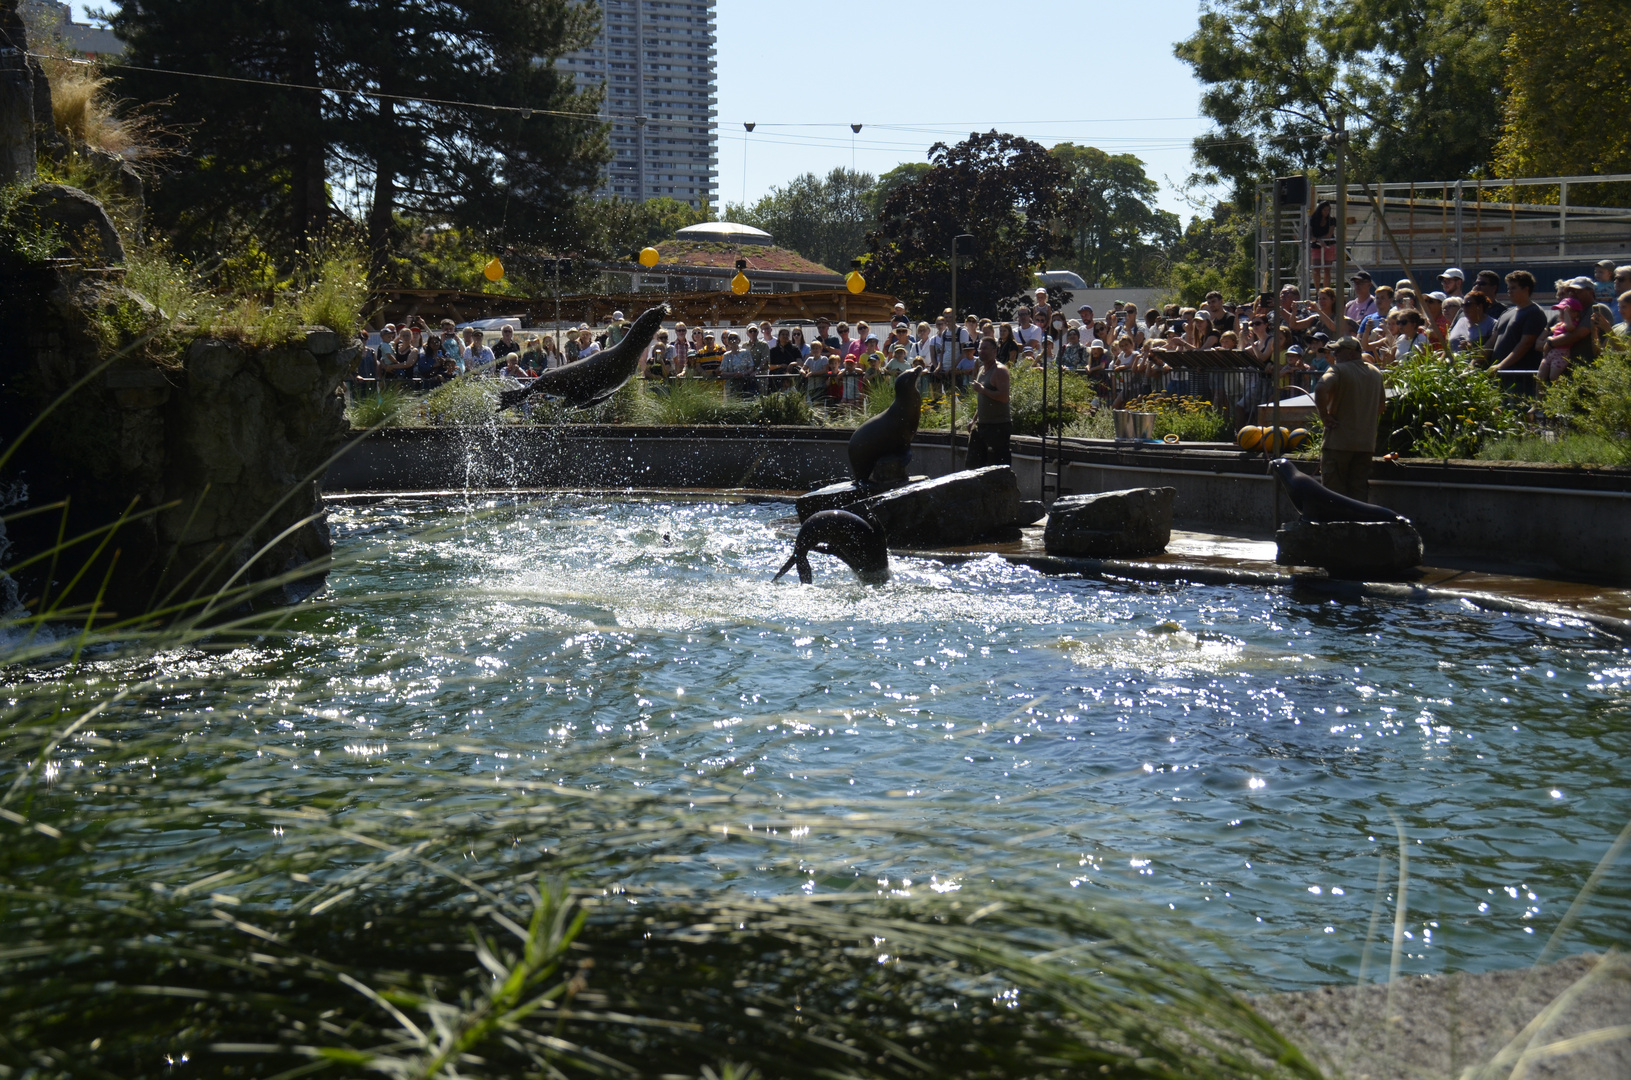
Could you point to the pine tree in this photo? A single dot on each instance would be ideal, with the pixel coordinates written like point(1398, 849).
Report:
point(416, 114)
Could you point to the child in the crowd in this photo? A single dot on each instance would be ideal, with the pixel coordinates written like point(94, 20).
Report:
point(1556, 360)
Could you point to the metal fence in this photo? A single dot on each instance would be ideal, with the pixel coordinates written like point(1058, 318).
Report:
point(1534, 223)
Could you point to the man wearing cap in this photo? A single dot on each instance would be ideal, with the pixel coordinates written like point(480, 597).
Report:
point(1349, 399)
point(1364, 302)
point(823, 335)
point(757, 349)
point(1489, 283)
point(899, 317)
point(1453, 282)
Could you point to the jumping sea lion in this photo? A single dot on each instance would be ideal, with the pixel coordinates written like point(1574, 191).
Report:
point(585, 382)
point(850, 537)
point(890, 432)
point(1320, 505)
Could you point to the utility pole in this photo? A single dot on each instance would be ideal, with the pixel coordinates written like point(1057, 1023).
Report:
point(1341, 140)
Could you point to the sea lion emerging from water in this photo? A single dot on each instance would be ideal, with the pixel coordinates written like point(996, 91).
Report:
point(890, 433)
point(859, 542)
point(1321, 505)
point(586, 382)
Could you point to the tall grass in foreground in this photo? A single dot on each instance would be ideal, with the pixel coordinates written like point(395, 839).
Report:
point(183, 895)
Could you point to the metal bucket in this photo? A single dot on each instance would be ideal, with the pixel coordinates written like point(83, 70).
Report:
point(1134, 425)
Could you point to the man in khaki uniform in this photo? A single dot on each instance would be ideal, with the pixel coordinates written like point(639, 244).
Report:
point(1349, 398)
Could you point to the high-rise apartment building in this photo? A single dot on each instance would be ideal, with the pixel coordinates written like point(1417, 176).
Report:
point(656, 58)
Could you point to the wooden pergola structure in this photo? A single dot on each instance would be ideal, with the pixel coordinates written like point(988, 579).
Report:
point(694, 308)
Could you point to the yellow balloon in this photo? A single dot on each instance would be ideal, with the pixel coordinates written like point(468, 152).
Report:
point(648, 256)
point(494, 269)
point(855, 282)
point(740, 283)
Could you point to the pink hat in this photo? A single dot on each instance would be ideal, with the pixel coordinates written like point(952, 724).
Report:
point(1569, 303)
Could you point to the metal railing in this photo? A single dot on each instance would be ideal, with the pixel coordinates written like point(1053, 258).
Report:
point(1499, 224)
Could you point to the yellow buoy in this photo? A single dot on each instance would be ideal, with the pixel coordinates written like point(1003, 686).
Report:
point(740, 283)
point(1249, 437)
point(648, 256)
point(1298, 439)
point(494, 270)
point(855, 282)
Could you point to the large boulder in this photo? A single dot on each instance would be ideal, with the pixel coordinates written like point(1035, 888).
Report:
point(958, 508)
point(82, 227)
point(1111, 524)
point(1351, 549)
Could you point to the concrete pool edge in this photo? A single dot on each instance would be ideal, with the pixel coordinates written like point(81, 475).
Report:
point(1551, 520)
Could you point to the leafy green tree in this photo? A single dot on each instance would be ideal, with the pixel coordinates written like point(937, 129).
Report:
point(1215, 252)
point(266, 153)
point(823, 219)
point(1560, 76)
point(1008, 192)
point(1118, 236)
point(1418, 82)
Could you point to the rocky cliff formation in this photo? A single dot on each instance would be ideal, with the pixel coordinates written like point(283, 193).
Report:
point(211, 453)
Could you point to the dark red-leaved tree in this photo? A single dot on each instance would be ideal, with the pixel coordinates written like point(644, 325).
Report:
point(1016, 200)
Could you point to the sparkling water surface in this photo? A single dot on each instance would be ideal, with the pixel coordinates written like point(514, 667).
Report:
point(1234, 758)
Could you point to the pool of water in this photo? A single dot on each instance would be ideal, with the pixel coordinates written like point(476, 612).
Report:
point(1237, 759)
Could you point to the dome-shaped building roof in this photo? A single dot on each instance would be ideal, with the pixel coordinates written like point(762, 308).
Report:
point(724, 232)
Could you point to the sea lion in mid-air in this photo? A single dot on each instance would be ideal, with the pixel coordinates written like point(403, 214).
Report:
point(586, 382)
point(1320, 505)
point(850, 537)
point(890, 432)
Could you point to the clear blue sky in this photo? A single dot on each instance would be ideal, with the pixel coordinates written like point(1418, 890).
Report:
point(914, 72)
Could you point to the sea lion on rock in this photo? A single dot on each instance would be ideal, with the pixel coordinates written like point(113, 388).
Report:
point(859, 542)
point(1319, 504)
point(890, 433)
point(586, 382)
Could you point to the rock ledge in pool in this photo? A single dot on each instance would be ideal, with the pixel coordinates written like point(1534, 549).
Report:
point(1361, 550)
point(958, 508)
point(1111, 524)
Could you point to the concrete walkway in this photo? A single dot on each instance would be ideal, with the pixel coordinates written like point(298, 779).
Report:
point(1565, 1021)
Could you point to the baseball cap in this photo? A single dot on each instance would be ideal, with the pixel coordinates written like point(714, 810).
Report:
point(1606, 262)
point(617, 314)
point(1568, 303)
point(872, 337)
point(1436, 295)
point(1582, 282)
point(1347, 341)
point(1453, 272)
point(1298, 349)
point(1363, 275)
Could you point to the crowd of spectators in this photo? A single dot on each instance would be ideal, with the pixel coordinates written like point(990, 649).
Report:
point(1122, 353)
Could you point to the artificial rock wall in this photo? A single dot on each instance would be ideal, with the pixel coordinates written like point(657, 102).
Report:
point(214, 454)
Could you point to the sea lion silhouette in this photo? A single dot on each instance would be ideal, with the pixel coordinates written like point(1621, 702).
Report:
point(1320, 505)
point(890, 432)
point(859, 542)
point(586, 382)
